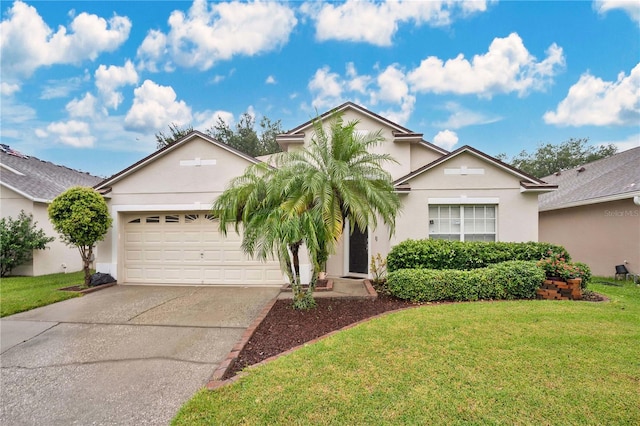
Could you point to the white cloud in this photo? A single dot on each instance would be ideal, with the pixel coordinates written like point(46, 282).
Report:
point(446, 139)
point(376, 23)
point(270, 80)
point(357, 83)
point(461, 117)
point(507, 67)
point(55, 89)
point(8, 89)
point(207, 119)
point(326, 86)
point(85, 107)
point(154, 107)
point(208, 33)
point(153, 47)
point(73, 133)
point(631, 7)
point(109, 79)
point(595, 102)
point(28, 43)
point(394, 89)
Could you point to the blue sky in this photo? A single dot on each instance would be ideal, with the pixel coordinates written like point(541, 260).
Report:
point(88, 84)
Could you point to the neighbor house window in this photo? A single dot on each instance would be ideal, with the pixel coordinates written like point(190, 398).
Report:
point(463, 222)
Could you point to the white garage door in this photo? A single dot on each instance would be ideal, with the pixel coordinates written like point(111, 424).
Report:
point(179, 248)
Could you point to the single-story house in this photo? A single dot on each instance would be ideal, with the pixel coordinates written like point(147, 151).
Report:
point(30, 184)
point(163, 232)
point(595, 213)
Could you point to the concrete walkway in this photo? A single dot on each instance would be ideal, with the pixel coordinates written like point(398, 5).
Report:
point(125, 355)
point(342, 287)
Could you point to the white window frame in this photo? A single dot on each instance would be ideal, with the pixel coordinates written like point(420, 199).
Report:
point(461, 218)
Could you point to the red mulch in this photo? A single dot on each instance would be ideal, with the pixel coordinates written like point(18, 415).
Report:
point(284, 327)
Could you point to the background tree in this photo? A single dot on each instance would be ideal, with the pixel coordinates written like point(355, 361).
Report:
point(81, 216)
point(175, 133)
point(306, 199)
point(549, 158)
point(18, 239)
point(244, 136)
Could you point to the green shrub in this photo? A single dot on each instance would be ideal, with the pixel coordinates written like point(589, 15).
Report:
point(506, 280)
point(440, 254)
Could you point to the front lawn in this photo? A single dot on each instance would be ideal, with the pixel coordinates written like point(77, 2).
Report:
point(519, 362)
point(18, 294)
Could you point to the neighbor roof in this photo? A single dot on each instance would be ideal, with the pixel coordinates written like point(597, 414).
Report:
point(613, 178)
point(38, 180)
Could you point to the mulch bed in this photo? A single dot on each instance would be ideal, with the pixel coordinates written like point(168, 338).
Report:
point(285, 328)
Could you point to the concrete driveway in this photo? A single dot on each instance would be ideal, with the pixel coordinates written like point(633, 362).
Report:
point(125, 355)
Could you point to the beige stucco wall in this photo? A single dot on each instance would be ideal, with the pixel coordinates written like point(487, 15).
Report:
point(517, 211)
point(164, 186)
point(601, 235)
point(51, 259)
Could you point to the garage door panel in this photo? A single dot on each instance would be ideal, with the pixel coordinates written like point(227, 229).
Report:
point(153, 256)
point(133, 255)
point(212, 256)
point(189, 249)
point(172, 237)
point(233, 255)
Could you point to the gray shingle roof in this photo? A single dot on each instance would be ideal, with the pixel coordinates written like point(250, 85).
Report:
point(602, 180)
point(40, 180)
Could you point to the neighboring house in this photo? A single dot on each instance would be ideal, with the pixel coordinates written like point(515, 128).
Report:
point(163, 232)
point(30, 184)
point(595, 213)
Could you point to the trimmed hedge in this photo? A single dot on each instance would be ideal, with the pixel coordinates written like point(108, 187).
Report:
point(507, 280)
point(441, 254)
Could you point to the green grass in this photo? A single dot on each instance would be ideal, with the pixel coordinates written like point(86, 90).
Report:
point(18, 294)
point(515, 363)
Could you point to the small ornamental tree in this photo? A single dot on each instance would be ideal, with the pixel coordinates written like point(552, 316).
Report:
point(18, 239)
point(81, 217)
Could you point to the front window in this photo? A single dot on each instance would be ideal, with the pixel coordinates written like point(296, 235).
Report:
point(463, 222)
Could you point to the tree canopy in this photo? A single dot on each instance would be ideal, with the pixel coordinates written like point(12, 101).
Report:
point(549, 158)
point(19, 238)
point(175, 133)
point(81, 216)
point(243, 136)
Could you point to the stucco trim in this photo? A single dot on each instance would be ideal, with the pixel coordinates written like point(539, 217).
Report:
point(463, 200)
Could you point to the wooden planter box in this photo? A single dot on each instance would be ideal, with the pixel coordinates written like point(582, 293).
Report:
point(560, 290)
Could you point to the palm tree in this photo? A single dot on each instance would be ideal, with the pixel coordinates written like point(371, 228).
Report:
point(307, 198)
point(339, 177)
point(256, 200)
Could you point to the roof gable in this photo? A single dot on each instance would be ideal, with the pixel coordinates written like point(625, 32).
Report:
point(399, 132)
point(195, 134)
point(527, 181)
point(607, 179)
point(39, 180)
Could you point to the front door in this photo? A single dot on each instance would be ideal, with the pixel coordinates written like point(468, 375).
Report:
point(359, 251)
